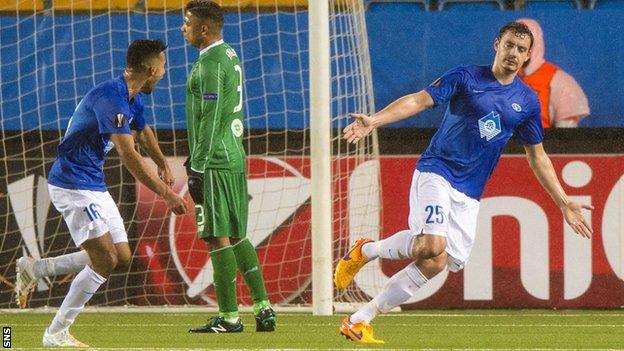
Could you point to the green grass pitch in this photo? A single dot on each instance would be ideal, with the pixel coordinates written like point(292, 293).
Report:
point(474, 329)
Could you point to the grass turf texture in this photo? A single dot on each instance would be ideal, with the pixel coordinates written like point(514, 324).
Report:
point(490, 329)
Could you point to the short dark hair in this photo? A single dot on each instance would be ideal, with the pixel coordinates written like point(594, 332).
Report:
point(206, 10)
point(516, 28)
point(141, 51)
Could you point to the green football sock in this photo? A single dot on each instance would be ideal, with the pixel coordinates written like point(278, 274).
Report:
point(258, 306)
point(224, 267)
point(248, 265)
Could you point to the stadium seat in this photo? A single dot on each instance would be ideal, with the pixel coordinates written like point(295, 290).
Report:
point(548, 4)
point(471, 5)
point(399, 5)
point(606, 4)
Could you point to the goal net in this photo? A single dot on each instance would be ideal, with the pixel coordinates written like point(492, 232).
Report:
point(53, 52)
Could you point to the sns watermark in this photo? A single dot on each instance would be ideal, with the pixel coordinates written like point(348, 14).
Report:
point(6, 337)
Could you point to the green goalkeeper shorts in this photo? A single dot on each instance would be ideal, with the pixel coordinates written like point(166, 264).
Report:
point(224, 212)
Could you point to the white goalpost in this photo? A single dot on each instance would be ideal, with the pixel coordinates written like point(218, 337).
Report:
point(306, 66)
point(320, 154)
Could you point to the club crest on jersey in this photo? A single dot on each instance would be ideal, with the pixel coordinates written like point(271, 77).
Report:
point(210, 96)
point(119, 120)
point(237, 128)
point(489, 125)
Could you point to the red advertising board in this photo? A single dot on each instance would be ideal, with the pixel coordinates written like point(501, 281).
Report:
point(524, 255)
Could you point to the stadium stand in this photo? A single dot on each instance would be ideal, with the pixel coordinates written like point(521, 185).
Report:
point(548, 4)
point(606, 4)
point(400, 5)
point(471, 5)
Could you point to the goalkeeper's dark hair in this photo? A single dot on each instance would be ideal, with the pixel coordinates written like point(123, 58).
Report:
point(141, 51)
point(208, 11)
point(516, 28)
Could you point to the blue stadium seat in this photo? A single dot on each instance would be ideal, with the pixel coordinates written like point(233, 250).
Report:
point(606, 4)
point(549, 4)
point(398, 5)
point(471, 5)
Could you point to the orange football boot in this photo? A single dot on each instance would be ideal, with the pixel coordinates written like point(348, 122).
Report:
point(359, 332)
point(350, 264)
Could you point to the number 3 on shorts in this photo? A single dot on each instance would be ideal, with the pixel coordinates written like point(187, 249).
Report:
point(200, 218)
point(434, 214)
point(92, 211)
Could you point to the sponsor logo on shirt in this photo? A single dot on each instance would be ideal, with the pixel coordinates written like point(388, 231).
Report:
point(516, 107)
point(119, 120)
point(210, 96)
point(489, 125)
point(237, 128)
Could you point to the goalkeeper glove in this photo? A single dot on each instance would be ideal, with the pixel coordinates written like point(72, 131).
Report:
point(195, 183)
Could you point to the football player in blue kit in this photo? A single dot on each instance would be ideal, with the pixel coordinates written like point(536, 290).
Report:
point(110, 115)
point(487, 105)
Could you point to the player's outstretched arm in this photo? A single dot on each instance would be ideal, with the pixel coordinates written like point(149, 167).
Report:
point(148, 142)
point(401, 108)
point(124, 143)
point(545, 173)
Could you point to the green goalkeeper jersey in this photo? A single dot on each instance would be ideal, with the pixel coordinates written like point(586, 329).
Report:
point(214, 110)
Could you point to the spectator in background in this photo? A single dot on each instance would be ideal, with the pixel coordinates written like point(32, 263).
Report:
point(564, 104)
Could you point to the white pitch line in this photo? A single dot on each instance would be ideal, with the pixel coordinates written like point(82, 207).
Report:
point(341, 348)
point(400, 315)
point(165, 312)
point(238, 349)
point(83, 325)
point(554, 314)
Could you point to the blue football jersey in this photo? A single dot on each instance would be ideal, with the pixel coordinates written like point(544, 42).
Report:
point(481, 117)
point(105, 110)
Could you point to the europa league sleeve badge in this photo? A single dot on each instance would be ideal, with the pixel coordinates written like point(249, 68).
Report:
point(119, 120)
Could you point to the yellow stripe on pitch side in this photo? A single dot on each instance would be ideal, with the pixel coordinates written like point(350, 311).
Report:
point(21, 5)
point(123, 5)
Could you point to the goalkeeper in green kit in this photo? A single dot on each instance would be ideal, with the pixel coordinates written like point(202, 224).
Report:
point(216, 168)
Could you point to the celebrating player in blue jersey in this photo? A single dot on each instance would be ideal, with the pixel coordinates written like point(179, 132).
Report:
point(487, 105)
point(106, 117)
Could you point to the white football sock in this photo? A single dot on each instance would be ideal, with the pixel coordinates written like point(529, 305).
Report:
point(69, 263)
point(396, 247)
point(399, 289)
point(82, 288)
point(366, 313)
point(232, 320)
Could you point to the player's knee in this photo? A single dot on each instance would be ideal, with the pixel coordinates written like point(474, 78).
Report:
point(428, 246)
point(104, 262)
point(124, 255)
point(108, 261)
point(439, 261)
point(123, 260)
point(215, 243)
point(431, 266)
